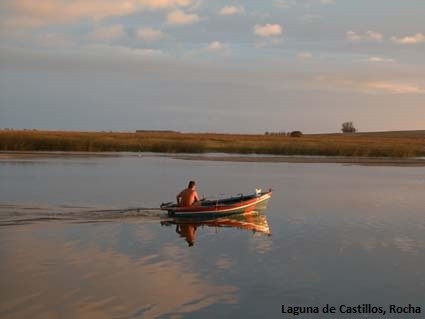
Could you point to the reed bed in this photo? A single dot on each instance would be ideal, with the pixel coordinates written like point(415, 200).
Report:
point(376, 144)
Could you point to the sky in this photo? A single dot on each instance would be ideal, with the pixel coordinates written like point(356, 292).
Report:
point(212, 66)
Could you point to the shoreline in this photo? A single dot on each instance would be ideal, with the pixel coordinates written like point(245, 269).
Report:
point(224, 157)
point(402, 144)
point(363, 161)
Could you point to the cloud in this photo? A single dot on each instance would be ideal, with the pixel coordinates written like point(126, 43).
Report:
point(164, 4)
point(36, 13)
point(179, 17)
point(396, 88)
point(377, 59)
point(371, 87)
point(118, 50)
point(327, 1)
point(219, 47)
point(149, 34)
point(108, 33)
point(215, 46)
point(124, 52)
point(371, 36)
point(231, 10)
point(413, 39)
point(267, 30)
point(304, 55)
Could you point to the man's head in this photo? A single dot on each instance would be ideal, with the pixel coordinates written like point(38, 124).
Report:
point(191, 184)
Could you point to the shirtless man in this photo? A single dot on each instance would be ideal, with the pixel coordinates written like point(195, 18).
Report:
point(188, 196)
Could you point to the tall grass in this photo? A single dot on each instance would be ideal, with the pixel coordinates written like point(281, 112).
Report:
point(363, 144)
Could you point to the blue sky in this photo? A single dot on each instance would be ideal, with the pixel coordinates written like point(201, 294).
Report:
point(216, 66)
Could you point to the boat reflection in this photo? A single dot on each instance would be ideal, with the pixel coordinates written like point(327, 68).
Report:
point(188, 228)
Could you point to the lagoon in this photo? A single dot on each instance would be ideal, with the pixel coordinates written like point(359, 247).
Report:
point(81, 237)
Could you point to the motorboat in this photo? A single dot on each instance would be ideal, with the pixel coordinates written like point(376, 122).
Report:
point(238, 204)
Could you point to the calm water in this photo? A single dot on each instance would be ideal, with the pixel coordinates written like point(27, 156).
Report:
point(81, 238)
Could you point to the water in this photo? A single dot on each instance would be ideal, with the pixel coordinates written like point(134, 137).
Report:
point(82, 237)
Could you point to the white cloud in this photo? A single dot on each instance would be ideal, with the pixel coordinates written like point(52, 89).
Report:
point(267, 30)
point(118, 50)
point(371, 87)
point(108, 33)
point(231, 10)
point(210, 49)
point(150, 34)
point(413, 39)
point(164, 4)
point(36, 13)
point(372, 36)
point(179, 17)
point(377, 59)
point(396, 88)
point(216, 46)
point(304, 55)
point(352, 36)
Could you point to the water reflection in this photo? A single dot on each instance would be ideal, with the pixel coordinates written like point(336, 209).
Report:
point(187, 228)
point(57, 270)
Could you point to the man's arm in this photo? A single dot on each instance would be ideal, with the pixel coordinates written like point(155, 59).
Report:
point(179, 197)
point(196, 197)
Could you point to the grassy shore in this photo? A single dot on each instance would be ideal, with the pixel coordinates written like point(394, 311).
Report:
point(376, 144)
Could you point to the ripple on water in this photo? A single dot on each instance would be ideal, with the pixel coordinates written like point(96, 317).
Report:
point(15, 215)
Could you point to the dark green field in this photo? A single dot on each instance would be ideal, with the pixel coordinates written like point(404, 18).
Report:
point(373, 144)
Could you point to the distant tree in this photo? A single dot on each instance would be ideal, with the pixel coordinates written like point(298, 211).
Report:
point(296, 134)
point(348, 127)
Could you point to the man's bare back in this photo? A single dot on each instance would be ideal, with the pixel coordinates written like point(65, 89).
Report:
point(188, 196)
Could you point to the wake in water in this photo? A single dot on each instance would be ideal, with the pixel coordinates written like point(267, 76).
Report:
point(15, 214)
